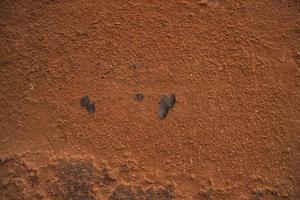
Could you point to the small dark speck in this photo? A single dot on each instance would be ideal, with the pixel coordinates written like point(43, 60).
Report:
point(165, 105)
point(139, 97)
point(172, 100)
point(86, 102)
point(91, 108)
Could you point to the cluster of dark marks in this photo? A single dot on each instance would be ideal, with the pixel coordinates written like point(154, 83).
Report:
point(123, 192)
point(207, 195)
point(257, 195)
point(16, 178)
point(165, 193)
point(105, 178)
point(166, 103)
point(66, 179)
point(74, 179)
point(268, 194)
point(86, 102)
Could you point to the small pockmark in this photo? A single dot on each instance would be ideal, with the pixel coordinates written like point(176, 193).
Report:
point(139, 97)
point(91, 108)
point(86, 102)
point(166, 103)
point(172, 100)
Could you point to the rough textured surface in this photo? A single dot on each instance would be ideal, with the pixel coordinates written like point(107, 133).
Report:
point(17, 180)
point(234, 66)
point(72, 180)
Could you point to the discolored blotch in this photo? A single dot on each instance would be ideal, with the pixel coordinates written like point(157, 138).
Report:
point(125, 168)
point(139, 97)
point(165, 193)
point(172, 100)
point(257, 195)
point(106, 179)
point(166, 103)
point(204, 195)
point(268, 194)
point(91, 108)
point(123, 192)
point(73, 180)
point(86, 102)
